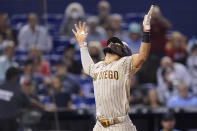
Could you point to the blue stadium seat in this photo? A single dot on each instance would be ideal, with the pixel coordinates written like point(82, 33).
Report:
point(53, 22)
point(54, 58)
point(18, 21)
point(20, 56)
point(59, 43)
point(52, 29)
point(53, 18)
point(134, 17)
point(18, 18)
point(124, 26)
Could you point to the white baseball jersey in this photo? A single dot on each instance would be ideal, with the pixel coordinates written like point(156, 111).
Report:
point(112, 87)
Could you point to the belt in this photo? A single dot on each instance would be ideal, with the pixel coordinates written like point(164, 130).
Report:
point(112, 121)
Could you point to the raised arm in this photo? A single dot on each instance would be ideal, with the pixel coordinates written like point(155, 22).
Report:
point(80, 35)
point(138, 59)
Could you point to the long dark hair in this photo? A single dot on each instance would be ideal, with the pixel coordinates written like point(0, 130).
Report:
point(12, 73)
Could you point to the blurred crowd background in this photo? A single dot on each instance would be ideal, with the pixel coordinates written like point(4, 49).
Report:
point(41, 54)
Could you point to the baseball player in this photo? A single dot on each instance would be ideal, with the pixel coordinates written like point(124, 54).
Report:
point(111, 77)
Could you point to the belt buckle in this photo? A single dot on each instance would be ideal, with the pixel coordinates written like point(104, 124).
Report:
point(116, 121)
point(104, 123)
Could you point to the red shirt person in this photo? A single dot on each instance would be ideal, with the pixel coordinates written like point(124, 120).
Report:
point(159, 29)
point(176, 47)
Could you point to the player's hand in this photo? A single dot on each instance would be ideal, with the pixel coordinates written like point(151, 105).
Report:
point(147, 18)
point(80, 32)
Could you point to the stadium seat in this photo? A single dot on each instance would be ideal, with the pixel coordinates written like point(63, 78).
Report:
point(134, 17)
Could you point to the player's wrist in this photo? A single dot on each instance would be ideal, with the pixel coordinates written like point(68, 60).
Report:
point(83, 44)
point(146, 37)
point(146, 30)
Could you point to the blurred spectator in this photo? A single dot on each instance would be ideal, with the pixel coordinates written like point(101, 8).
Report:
point(148, 72)
point(134, 39)
point(87, 86)
point(179, 72)
point(168, 122)
point(95, 32)
point(166, 89)
point(176, 47)
point(192, 66)
point(5, 31)
point(95, 51)
point(6, 60)
point(12, 99)
point(30, 81)
point(70, 83)
point(109, 34)
point(1, 39)
point(153, 101)
point(32, 34)
point(104, 13)
point(40, 66)
point(115, 22)
point(26, 77)
point(159, 29)
point(136, 92)
point(73, 66)
point(27, 70)
point(1, 44)
point(29, 89)
point(192, 41)
point(183, 98)
point(73, 13)
point(79, 100)
point(58, 95)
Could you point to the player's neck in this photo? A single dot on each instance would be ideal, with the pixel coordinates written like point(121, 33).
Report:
point(110, 57)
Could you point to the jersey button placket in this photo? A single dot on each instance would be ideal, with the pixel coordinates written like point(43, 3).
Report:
point(99, 101)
